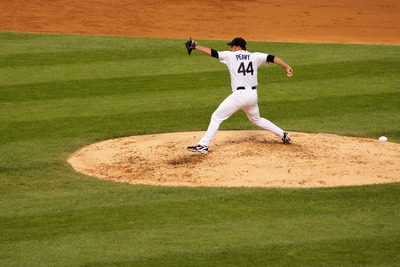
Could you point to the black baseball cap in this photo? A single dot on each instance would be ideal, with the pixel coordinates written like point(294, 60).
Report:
point(239, 41)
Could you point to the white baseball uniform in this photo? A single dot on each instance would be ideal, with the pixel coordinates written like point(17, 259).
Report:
point(242, 67)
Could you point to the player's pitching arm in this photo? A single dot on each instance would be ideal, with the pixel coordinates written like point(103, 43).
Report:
point(280, 62)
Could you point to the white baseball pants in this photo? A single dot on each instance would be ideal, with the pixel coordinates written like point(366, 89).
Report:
point(239, 99)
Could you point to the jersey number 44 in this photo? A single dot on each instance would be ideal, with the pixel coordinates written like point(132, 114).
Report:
point(243, 69)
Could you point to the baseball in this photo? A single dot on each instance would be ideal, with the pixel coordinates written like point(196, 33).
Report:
point(382, 138)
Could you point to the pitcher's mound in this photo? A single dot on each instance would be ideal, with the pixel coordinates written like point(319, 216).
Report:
point(241, 158)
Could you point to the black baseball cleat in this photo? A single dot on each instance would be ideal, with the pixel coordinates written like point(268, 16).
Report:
point(198, 148)
point(286, 138)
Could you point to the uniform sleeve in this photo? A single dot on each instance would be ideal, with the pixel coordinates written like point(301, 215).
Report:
point(223, 56)
point(270, 58)
point(214, 53)
point(261, 59)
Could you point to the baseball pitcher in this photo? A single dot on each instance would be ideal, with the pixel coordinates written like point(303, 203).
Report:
point(242, 66)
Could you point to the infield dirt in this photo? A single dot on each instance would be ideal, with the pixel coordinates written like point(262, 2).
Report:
point(327, 21)
point(247, 158)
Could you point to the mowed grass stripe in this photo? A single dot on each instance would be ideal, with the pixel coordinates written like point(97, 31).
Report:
point(239, 207)
point(151, 84)
point(98, 70)
point(298, 222)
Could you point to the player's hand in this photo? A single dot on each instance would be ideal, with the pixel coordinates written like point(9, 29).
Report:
point(190, 45)
point(289, 71)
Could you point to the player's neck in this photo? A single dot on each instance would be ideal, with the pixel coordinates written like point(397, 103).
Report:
point(237, 48)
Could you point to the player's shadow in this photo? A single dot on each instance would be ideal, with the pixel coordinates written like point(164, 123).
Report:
point(191, 159)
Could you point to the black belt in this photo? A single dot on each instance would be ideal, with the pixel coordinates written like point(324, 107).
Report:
point(243, 88)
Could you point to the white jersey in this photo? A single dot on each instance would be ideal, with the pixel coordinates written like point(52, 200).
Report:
point(243, 67)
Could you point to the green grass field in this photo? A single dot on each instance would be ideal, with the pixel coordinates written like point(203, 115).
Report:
point(62, 92)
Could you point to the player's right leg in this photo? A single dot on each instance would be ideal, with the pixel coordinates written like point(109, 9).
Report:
point(286, 138)
point(253, 113)
point(198, 148)
point(229, 106)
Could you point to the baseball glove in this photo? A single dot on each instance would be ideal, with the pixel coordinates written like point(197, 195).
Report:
point(190, 45)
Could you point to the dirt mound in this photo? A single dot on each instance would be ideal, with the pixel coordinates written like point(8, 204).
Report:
point(242, 159)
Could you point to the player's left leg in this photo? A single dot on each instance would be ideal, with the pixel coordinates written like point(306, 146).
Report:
point(253, 113)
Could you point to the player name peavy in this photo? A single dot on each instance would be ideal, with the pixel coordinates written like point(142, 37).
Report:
point(242, 57)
